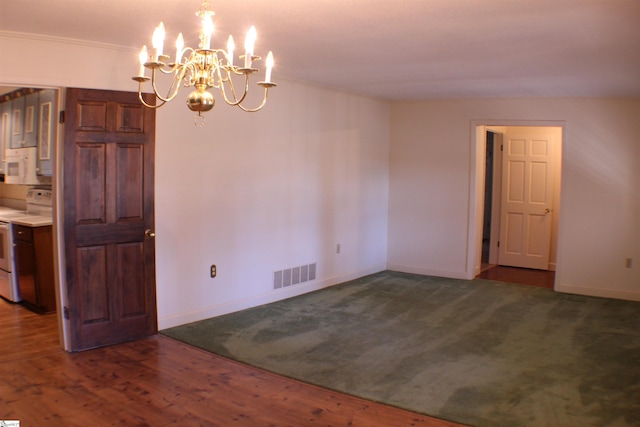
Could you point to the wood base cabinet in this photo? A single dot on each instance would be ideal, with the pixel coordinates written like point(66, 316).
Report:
point(33, 252)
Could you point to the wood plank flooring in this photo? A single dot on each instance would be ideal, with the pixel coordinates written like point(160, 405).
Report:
point(522, 276)
point(160, 382)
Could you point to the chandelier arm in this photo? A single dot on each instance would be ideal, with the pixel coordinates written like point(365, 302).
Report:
point(171, 69)
point(235, 101)
point(141, 98)
point(173, 88)
point(253, 110)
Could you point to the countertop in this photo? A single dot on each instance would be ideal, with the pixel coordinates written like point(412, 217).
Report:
point(19, 217)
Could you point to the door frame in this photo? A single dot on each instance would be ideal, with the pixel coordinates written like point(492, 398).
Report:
point(477, 151)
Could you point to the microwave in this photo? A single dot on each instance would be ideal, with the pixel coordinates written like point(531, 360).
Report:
point(20, 166)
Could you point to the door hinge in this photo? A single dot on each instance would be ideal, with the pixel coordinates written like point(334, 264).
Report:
point(65, 312)
point(62, 116)
point(501, 147)
point(498, 243)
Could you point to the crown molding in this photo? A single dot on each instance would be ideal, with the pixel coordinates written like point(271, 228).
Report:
point(65, 40)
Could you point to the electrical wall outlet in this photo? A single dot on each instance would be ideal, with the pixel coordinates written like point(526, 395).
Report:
point(214, 270)
point(338, 248)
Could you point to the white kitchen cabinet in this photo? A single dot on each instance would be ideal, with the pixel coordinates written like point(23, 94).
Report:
point(24, 121)
point(47, 129)
point(17, 122)
point(30, 120)
point(30, 124)
point(5, 131)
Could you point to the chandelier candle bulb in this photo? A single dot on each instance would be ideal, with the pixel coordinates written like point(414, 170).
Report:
point(230, 47)
point(142, 56)
point(158, 41)
point(207, 30)
point(179, 47)
point(249, 42)
point(267, 74)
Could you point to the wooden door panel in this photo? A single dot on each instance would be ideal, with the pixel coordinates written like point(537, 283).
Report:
point(92, 265)
point(130, 165)
point(516, 146)
point(130, 118)
point(515, 181)
point(92, 116)
point(131, 278)
point(536, 234)
point(540, 147)
point(90, 185)
point(514, 233)
point(100, 234)
point(538, 194)
point(109, 146)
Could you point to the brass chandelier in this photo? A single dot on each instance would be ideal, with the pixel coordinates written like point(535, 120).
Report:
point(202, 68)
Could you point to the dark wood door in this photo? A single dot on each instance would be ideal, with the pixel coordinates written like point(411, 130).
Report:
point(108, 173)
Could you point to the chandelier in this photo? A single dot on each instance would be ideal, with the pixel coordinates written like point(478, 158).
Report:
point(202, 68)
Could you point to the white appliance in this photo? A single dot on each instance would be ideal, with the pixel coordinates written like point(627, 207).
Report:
point(20, 166)
point(8, 285)
point(40, 202)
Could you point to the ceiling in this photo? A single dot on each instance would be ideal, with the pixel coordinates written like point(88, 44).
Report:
point(392, 49)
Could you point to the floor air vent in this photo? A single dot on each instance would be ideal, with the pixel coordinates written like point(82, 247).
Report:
point(294, 276)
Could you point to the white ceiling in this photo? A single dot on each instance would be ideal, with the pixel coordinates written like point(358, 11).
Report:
point(394, 49)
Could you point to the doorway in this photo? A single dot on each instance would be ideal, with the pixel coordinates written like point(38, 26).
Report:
point(103, 243)
point(487, 222)
point(488, 257)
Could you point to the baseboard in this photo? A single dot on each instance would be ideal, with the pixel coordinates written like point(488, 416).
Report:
point(597, 292)
point(427, 271)
point(265, 298)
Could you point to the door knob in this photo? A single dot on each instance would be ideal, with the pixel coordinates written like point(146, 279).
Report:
point(149, 233)
point(547, 210)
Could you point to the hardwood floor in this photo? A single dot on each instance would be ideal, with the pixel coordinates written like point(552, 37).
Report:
point(160, 382)
point(523, 276)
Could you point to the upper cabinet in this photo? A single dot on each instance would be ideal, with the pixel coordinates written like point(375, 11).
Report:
point(30, 127)
point(47, 130)
point(27, 119)
point(5, 131)
point(17, 122)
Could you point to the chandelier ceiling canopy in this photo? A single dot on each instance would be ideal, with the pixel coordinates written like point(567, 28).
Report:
point(202, 68)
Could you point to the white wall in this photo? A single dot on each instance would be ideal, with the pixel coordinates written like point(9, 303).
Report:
point(57, 62)
point(256, 193)
point(430, 180)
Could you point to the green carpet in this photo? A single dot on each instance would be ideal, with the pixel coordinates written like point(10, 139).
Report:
point(479, 352)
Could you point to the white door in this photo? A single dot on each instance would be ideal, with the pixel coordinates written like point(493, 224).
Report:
point(525, 230)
